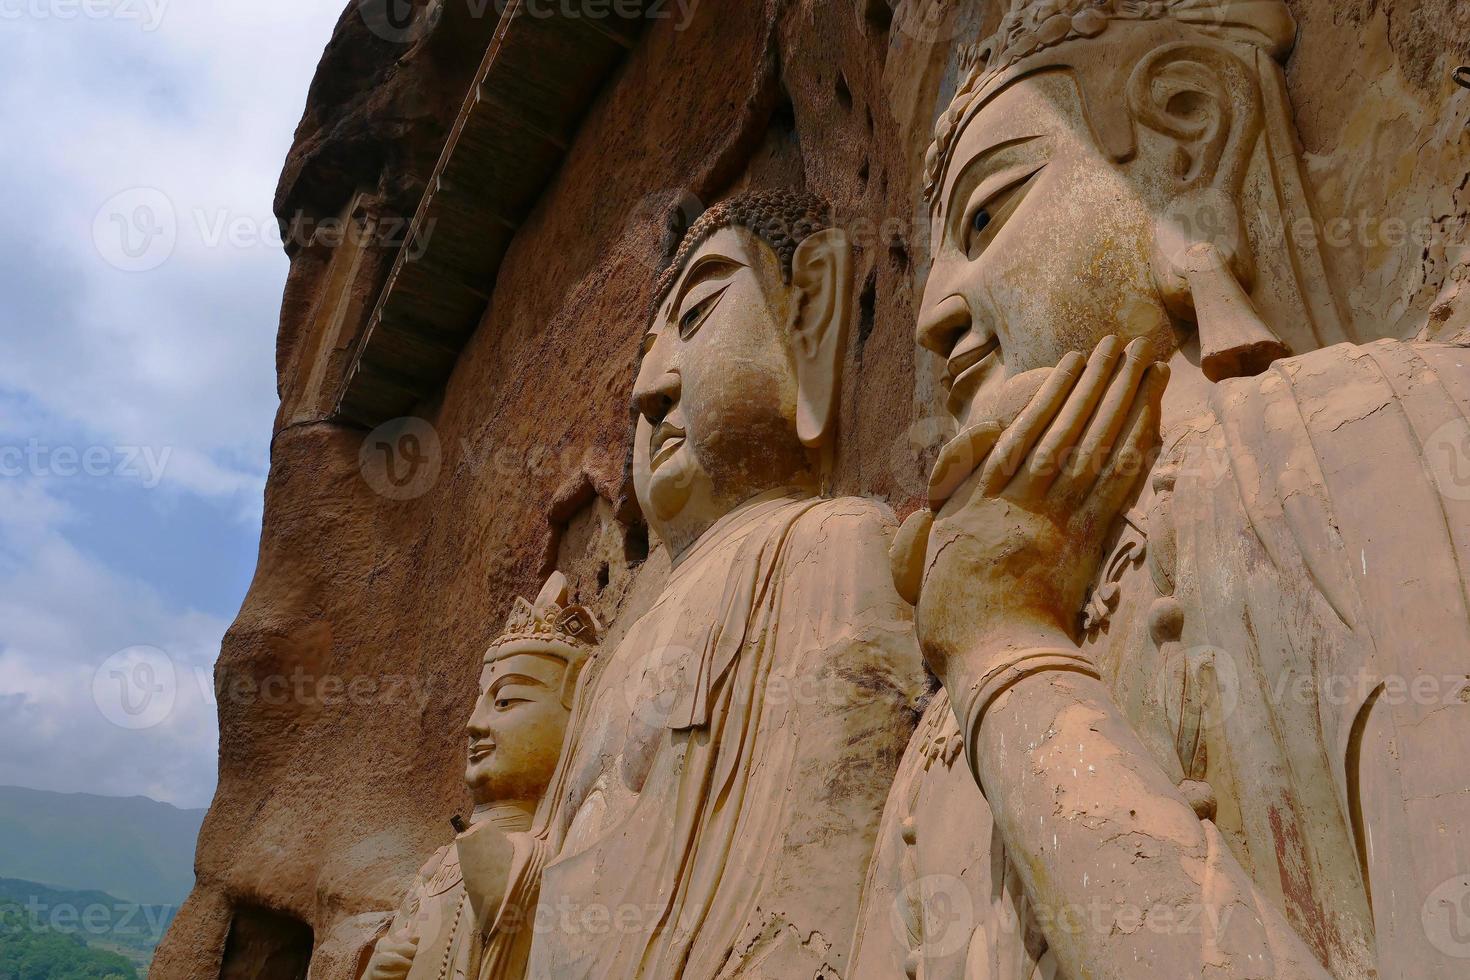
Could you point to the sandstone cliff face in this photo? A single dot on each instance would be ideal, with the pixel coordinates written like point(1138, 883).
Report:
point(345, 682)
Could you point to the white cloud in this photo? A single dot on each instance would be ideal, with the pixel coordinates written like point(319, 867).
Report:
point(64, 614)
point(178, 361)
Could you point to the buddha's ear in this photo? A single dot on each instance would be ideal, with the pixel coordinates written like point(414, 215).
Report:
point(1206, 102)
point(821, 272)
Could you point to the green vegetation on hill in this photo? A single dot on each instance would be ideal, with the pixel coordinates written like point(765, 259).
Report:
point(98, 918)
point(30, 951)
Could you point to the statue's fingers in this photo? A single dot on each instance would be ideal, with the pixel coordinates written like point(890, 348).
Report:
point(1091, 453)
point(959, 459)
point(1109, 491)
point(1046, 460)
point(1021, 435)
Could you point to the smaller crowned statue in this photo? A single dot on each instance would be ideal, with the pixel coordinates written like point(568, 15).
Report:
point(457, 917)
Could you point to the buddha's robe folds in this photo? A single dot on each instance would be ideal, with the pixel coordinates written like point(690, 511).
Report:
point(942, 899)
point(1304, 568)
point(718, 801)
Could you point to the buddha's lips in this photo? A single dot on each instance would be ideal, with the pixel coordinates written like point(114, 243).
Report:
point(968, 367)
point(480, 751)
point(666, 440)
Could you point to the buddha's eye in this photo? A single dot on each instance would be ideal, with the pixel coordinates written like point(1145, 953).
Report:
point(990, 207)
point(695, 315)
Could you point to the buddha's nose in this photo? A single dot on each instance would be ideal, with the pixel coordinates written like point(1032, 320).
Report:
point(479, 724)
point(943, 324)
point(657, 396)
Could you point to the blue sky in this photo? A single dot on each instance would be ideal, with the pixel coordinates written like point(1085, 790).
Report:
point(137, 372)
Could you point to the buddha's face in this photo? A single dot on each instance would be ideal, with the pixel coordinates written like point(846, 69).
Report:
point(515, 733)
point(1041, 244)
point(716, 392)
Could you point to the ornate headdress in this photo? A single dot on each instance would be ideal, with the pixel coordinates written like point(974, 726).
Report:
point(1035, 26)
point(548, 625)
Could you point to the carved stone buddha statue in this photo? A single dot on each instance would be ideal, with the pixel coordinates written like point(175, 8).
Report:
point(452, 920)
point(1209, 691)
point(716, 805)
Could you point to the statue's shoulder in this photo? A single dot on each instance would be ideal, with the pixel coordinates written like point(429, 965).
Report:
point(1341, 460)
point(1347, 374)
point(844, 525)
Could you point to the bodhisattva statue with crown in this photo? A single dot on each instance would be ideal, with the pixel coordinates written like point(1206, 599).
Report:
point(453, 921)
point(716, 805)
point(1211, 695)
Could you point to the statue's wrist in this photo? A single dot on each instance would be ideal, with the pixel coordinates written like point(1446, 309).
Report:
point(1022, 631)
point(1004, 661)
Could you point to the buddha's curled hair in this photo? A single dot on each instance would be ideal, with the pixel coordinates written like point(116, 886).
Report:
point(783, 219)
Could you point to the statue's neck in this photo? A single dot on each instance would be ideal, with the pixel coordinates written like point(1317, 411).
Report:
point(512, 817)
point(734, 517)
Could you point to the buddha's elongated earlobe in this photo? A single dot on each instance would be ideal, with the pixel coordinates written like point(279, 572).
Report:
point(1234, 341)
point(821, 271)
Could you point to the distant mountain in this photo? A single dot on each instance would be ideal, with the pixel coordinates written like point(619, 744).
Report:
point(134, 848)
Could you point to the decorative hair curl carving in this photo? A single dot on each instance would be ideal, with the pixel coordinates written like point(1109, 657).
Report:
point(783, 219)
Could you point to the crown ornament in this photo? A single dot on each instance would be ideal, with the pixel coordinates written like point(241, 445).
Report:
point(550, 620)
point(1031, 27)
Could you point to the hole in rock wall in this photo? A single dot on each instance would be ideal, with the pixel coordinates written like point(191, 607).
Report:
point(898, 254)
point(867, 303)
point(266, 945)
point(777, 161)
point(878, 15)
point(596, 550)
point(635, 545)
point(844, 93)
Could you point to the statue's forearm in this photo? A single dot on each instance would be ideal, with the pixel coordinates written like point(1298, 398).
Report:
point(1123, 877)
